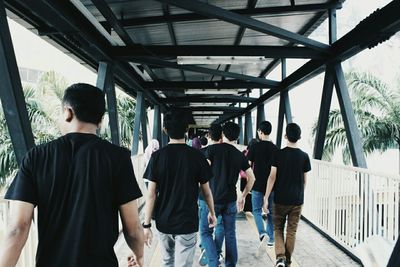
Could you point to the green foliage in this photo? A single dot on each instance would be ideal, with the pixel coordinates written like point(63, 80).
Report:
point(377, 110)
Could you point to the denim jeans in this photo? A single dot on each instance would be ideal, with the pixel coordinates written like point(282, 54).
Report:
point(257, 199)
point(219, 229)
point(228, 214)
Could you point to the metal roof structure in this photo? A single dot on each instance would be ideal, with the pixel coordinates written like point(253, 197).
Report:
point(194, 55)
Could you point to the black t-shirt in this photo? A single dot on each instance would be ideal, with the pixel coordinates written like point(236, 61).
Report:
point(291, 164)
point(78, 182)
point(226, 163)
point(177, 169)
point(261, 155)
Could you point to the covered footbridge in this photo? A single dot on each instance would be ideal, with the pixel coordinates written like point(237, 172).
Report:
point(207, 58)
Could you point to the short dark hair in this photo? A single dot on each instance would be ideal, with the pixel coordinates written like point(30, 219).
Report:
point(175, 123)
point(203, 141)
point(87, 102)
point(293, 132)
point(265, 127)
point(231, 131)
point(215, 131)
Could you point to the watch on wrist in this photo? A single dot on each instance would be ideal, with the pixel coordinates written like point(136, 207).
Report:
point(146, 225)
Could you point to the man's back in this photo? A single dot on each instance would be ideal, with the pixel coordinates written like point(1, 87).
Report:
point(78, 183)
point(226, 163)
point(177, 169)
point(291, 164)
point(261, 155)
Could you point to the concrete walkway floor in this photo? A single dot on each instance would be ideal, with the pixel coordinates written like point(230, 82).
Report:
point(312, 249)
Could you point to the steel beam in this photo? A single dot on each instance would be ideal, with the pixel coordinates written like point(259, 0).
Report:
point(209, 108)
point(11, 93)
point(352, 132)
point(241, 134)
point(323, 118)
point(248, 128)
point(109, 15)
point(157, 124)
point(167, 64)
point(208, 99)
point(332, 26)
point(171, 51)
point(105, 81)
point(248, 22)
point(187, 85)
point(138, 120)
point(262, 11)
point(145, 138)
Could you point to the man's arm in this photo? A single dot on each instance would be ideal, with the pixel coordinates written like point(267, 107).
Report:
point(305, 179)
point(207, 194)
point(17, 233)
point(150, 201)
point(270, 185)
point(133, 231)
point(247, 189)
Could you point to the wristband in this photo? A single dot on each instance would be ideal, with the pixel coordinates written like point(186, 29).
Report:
point(146, 225)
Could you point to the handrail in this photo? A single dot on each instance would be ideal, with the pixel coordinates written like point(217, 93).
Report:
point(357, 208)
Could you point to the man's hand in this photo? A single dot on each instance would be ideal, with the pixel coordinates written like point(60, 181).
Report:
point(148, 236)
point(265, 206)
point(135, 262)
point(212, 220)
point(240, 203)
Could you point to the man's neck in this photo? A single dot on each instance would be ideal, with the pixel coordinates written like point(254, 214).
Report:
point(87, 128)
point(291, 144)
point(177, 141)
point(264, 137)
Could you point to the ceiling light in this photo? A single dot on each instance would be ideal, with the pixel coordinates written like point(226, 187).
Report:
point(232, 60)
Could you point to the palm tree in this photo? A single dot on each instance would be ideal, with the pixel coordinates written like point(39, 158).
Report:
point(377, 111)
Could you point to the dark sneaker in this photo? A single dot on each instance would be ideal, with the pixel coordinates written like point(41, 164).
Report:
point(263, 244)
point(203, 261)
point(280, 263)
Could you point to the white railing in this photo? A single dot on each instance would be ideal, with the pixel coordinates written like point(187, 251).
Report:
point(27, 258)
point(358, 208)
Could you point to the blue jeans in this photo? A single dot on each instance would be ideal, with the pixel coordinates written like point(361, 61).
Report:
point(257, 199)
point(228, 213)
point(219, 229)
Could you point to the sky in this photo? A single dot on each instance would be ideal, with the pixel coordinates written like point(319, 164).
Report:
point(35, 53)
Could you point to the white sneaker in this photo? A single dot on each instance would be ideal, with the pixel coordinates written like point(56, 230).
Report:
point(220, 260)
point(262, 247)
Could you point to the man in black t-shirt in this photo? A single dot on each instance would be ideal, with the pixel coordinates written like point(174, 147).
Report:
point(175, 173)
point(226, 162)
point(260, 156)
point(288, 178)
point(79, 183)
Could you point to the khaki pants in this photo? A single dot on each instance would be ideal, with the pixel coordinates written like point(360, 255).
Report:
point(177, 250)
point(280, 213)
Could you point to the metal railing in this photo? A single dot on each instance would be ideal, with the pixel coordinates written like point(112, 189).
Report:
point(353, 206)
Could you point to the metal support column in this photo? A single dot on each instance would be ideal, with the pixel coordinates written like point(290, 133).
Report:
point(105, 81)
point(352, 132)
point(260, 113)
point(284, 108)
point(157, 124)
point(241, 137)
point(323, 113)
point(248, 128)
point(145, 138)
point(138, 119)
point(11, 93)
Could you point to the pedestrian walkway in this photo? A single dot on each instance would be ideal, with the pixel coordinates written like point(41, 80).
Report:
point(312, 249)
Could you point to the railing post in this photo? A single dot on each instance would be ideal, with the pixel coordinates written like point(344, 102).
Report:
point(105, 82)
point(11, 93)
